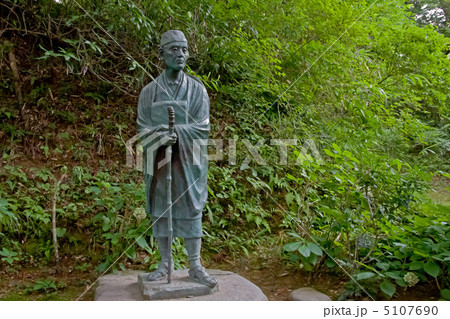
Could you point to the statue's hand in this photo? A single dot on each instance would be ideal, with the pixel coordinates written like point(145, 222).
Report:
point(161, 128)
point(172, 138)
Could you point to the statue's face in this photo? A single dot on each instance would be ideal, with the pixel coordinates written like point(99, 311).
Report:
point(175, 55)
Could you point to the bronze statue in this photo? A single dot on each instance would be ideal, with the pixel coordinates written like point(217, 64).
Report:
point(183, 177)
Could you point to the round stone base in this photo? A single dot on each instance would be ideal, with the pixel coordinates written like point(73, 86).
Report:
point(124, 286)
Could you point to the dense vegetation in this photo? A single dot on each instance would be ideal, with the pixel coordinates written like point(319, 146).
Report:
point(362, 86)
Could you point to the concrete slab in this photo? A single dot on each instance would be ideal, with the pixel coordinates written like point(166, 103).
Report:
point(124, 286)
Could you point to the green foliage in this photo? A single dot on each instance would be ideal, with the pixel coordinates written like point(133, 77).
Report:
point(112, 227)
point(46, 285)
point(231, 210)
point(366, 211)
point(253, 69)
point(8, 255)
point(367, 82)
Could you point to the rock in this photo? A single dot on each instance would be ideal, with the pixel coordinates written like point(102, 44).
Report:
point(118, 286)
point(124, 286)
point(307, 294)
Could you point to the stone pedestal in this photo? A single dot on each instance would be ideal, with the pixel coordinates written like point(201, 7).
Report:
point(180, 287)
point(125, 286)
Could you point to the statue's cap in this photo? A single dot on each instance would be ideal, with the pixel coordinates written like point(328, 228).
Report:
point(172, 36)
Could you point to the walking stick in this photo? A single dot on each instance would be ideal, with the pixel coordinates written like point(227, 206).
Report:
point(169, 195)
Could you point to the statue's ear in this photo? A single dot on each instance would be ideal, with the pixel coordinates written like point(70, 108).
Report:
point(160, 52)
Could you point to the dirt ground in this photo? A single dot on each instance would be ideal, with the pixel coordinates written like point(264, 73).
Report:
point(275, 278)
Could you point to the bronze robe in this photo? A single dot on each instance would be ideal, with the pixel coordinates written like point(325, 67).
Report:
point(189, 177)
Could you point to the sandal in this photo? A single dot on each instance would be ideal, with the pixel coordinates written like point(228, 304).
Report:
point(159, 273)
point(200, 275)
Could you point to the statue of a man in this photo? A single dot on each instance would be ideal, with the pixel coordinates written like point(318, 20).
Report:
point(188, 96)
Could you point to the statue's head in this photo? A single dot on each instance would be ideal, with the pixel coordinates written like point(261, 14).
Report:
point(174, 49)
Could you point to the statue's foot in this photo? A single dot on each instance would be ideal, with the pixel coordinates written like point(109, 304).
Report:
point(159, 273)
point(200, 275)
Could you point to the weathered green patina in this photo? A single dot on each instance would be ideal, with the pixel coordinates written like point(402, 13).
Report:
point(188, 96)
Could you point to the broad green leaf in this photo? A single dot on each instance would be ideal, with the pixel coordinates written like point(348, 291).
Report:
point(93, 189)
point(388, 288)
point(143, 243)
point(102, 267)
point(416, 265)
point(304, 250)
point(291, 177)
point(315, 248)
point(446, 294)
point(292, 246)
point(7, 253)
point(328, 152)
point(417, 252)
point(393, 274)
point(337, 148)
point(365, 204)
point(383, 266)
point(312, 259)
point(432, 269)
point(115, 238)
point(350, 156)
point(401, 282)
point(364, 275)
point(60, 232)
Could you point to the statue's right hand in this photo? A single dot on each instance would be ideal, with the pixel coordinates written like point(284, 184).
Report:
point(172, 139)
